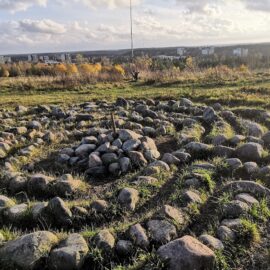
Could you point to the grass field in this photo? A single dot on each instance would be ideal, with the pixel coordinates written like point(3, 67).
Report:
point(191, 193)
point(253, 92)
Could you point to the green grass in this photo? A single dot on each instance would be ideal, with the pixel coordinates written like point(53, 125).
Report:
point(235, 93)
point(249, 232)
point(260, 211)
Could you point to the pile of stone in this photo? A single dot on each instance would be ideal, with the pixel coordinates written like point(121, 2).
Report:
point(109, 153)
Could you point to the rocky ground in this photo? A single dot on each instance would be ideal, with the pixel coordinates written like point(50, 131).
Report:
point(134, 184)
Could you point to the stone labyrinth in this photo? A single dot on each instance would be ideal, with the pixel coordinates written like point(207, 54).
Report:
point(134, 184)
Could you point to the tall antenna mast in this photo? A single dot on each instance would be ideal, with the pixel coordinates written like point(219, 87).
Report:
point(131, 31)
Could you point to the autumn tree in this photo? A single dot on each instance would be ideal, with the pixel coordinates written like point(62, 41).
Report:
point(4, 72)
point(60, 69)
point(71, 69)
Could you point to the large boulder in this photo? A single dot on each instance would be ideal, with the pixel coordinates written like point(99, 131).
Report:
point(26, 251)
point(187, 253)
point(70, 254)
point(250, 152)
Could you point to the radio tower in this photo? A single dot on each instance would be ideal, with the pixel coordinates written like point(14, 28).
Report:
point(131, 31)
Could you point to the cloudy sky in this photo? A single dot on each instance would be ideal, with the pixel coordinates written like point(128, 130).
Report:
point(67, 25)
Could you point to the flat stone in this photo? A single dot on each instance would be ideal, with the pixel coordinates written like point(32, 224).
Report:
point(233, 224)
point(225, 234)
point(211, 242)
point(174, 214)
point(247, 198)
point(192, 197)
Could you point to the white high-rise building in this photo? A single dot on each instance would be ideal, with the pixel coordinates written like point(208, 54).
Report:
point(2, 59)
point(240, 52)
point(208, 50)
point(181, 51)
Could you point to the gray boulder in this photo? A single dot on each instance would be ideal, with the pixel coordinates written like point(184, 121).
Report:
point(137, 159)
point(209, 115)
point(94, 160)
point(38, 185)
point(226, 234)
point(235, 209)
point(250, 152)
point(211, 242)
point(126, 134)
point(128, 198)
point(138, 235)
point(170, 159)
point(246, 198)
point(131, 145)
point(16, 213)
point(187, 253)
point(124, 248)
point(26, 251)
point(59, 211)
point(70, 254)
point(125, 164)
point(161, 231)
point(105, 241)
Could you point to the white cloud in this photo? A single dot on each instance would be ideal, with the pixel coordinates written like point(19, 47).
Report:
point(42, 26)
point(19, 5)
point(107, 3)
point(259, 5)
point(159, 23)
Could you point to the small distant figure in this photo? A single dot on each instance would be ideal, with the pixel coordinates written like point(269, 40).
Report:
point(135, 75)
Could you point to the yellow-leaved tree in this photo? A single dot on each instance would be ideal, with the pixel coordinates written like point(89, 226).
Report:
point(60, 69)
point(71, 69)
point(119, 69)
point(90, 68)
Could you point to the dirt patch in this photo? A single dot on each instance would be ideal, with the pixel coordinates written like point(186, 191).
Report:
point(166, 144)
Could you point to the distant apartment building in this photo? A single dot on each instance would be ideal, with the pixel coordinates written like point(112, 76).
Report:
point(240, 52)
point(33, 58)
point(181, 51)
point(2, 59)
point(63, 57)
point(5, 59)
point(207, 51)
point(8, 59)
